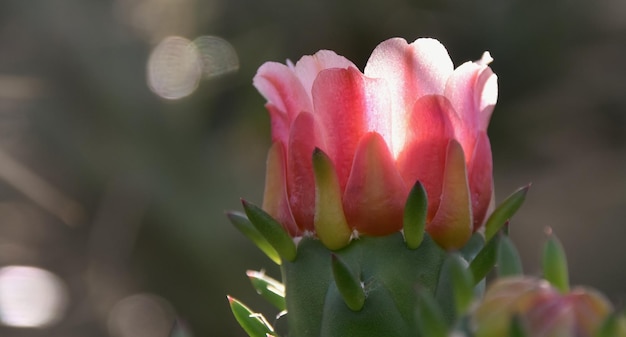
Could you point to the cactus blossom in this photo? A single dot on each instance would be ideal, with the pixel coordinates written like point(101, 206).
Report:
point(542, 309)
point(410, 116)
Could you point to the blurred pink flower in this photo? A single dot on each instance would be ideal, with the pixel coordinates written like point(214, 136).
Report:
point(542, 309)
point(410, 116)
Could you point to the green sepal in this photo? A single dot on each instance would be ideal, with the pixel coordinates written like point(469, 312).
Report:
point(271, 230)
point(241, 222)
point(180, 330)
point(254, 324)
point(430, 318)
point(555, 264)
point(455, 288)
point(462, 284)
point(348, 284)
point(473, 247)
point(269, 288)
point(504, 212)
point(330, 221)
point(485, 260)
point(517, 328)
point(509, 262)
point(613, 326)
point(415, 212)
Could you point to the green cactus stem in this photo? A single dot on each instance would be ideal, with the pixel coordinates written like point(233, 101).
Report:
point(390, 273)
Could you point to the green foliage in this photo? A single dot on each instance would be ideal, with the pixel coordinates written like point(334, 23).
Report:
point(270, 289)
point(348, 284)
point(253, 323)
point(271, 230)
point(509, 262)
point(505, 211)
point(241, 222)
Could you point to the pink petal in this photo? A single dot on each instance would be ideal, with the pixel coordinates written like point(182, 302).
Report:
point(280, 124)
point(411, 71)
point(473, 91)
point(452, 225)
point(424, 155)
point(280, 86)
point(308, 67)
point(346, 103)
point(275, 201)
point(375, 194)
point(303, 140)
point(481, 179)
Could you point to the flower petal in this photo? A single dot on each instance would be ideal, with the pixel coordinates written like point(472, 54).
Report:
point(275, 201)
point(473, 91)
point(346, 103)
point(424, 155)
point(481, 180)
point(411, 71)
point(452, 225)
point(375, 195)
point(280, 124)
point(282, 88)
point(303, 140)
point(309, 66)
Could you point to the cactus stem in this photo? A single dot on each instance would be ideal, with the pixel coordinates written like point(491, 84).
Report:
point(349, 286)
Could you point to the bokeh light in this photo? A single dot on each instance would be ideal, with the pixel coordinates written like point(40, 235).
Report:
point(174, 68)
point(141, 315)
point(31, 297)
point(218, 56)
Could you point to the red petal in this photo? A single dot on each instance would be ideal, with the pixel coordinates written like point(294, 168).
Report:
point(375, 195)
point(275, 201)
point(309, 66)
point(411, 71)
point(481, 179)
point(303, 140)
point(424, 155)
point(280, 86)
point(346, 103)
point(452, 225)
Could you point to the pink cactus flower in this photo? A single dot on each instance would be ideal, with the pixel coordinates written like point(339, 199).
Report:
point(410, 116)
point(542, 309)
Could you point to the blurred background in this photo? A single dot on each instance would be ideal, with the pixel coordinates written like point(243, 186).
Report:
point(128, 127)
